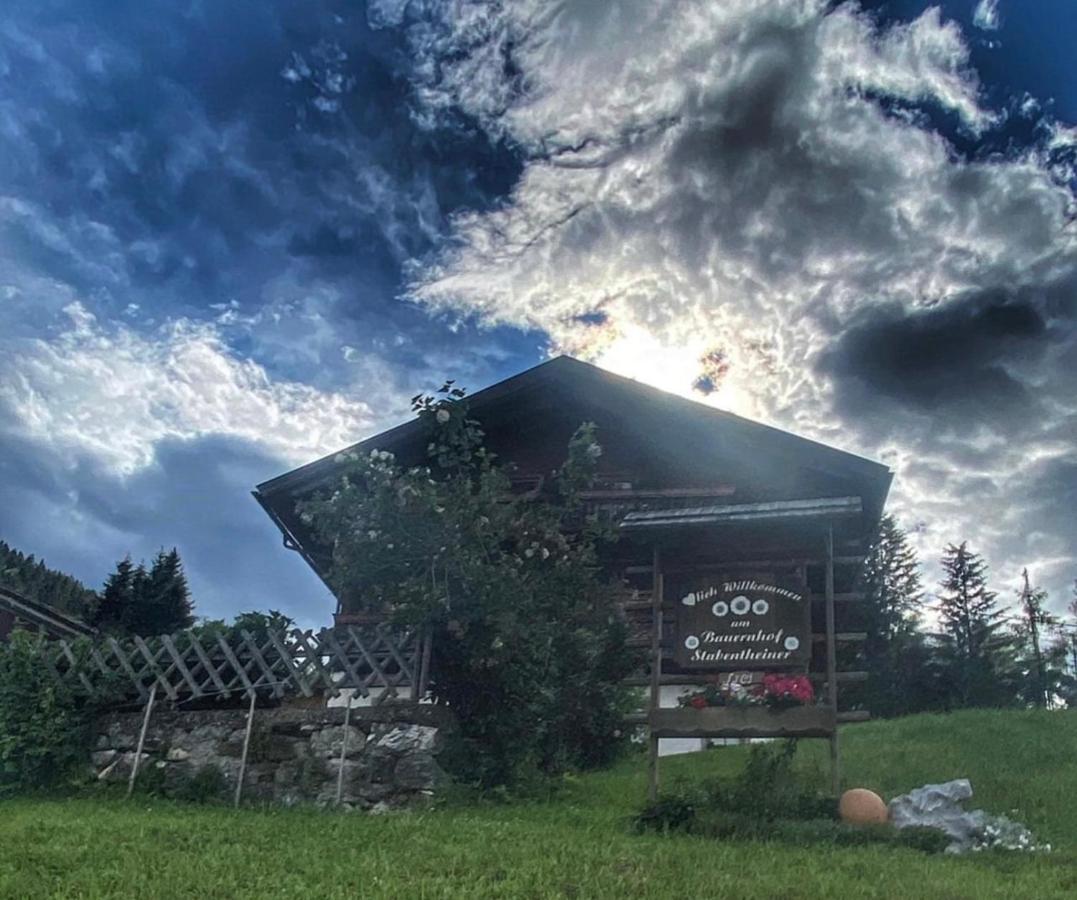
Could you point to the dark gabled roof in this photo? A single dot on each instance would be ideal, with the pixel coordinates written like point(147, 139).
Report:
point(564, 368)
point(42, 616)
point(653, 415)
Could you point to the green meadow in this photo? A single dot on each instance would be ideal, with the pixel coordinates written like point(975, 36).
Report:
point(579, 844)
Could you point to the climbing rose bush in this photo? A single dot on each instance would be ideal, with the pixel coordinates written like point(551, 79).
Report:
point(529, 650)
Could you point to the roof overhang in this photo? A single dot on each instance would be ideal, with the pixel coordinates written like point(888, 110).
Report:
point(824, 509)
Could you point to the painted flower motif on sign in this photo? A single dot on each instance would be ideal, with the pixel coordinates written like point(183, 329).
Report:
point(691, 642)
point(720, 608)
point(740, 605)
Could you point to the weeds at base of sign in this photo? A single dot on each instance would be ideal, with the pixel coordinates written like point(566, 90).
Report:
point(769, 801)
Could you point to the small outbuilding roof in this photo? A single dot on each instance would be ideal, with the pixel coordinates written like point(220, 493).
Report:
point(40, 616)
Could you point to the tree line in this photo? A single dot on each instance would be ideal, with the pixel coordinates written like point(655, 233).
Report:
point(29, 576)
point(135, 599)
point(965, 647)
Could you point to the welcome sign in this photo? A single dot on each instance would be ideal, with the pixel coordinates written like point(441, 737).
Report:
point(751, 622)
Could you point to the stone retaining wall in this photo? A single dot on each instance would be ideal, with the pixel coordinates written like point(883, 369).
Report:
point(294, 756)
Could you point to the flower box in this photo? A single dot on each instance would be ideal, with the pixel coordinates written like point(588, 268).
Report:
point(743, 722)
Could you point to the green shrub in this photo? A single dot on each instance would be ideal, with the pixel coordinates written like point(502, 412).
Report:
point(44, 727)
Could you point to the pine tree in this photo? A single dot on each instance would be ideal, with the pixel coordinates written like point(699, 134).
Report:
point(1039, 663)
point(146, 602)
point(167, 598)
point(117, 597)
point(976, 653)
point(136, 618)
point(896, 654)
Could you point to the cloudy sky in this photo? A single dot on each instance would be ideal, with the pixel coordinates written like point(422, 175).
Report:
point(235, 236)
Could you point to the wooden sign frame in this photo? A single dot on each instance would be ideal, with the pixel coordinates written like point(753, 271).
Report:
point(818, 721)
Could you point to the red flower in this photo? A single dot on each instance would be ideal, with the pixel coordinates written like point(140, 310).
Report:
point(796, 688)
point(699, 701)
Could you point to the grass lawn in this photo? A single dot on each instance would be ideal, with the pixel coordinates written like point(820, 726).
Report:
point(1021, 763)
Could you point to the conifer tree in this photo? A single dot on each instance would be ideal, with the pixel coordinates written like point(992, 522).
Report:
point(117, 597)
point(896, 654)
point(166, 596)
point(136, 618)
point(1040, 657)
point(146, 602)
point(975, 651)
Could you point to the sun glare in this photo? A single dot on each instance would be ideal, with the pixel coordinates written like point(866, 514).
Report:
point(640, 355)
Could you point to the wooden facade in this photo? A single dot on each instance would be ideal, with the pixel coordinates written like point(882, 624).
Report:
point(693, 490)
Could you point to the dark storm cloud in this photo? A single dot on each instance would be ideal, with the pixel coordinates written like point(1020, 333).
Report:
point(956, 361)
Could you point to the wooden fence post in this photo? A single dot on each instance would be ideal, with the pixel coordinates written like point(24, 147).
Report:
point(832, 662)
point(344, 747)
point(246, 746)
point(422, 670)
point(141, 740)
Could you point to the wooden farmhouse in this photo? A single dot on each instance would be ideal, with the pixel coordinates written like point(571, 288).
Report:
point(705, 501)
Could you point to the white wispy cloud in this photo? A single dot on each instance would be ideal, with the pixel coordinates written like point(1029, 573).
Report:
point(113, 394)
point(753, 182)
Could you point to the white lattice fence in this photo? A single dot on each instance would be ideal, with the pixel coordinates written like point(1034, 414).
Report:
point(198, 663)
